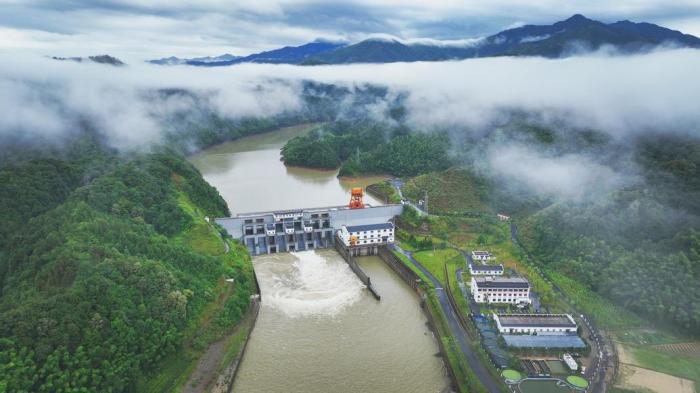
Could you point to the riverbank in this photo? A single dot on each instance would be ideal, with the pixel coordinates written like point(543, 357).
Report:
point(470, 365)
point(319, 330)
point(206, 342)
point(229, 359)
point(459, 376)
point(312, 329)
point(468, 224)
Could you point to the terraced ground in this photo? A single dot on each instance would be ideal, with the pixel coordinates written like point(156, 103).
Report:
point(690, 349)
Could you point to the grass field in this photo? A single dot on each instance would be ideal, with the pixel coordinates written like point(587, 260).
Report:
point(670, 363)
point(475, 228)
point(455, 190)
point(384, 191)
point(434, 260)
point(604, 312)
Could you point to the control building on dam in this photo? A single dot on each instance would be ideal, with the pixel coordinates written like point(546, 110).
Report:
point(302, 229)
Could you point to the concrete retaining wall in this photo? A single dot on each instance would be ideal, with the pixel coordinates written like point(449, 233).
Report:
point(355, 267)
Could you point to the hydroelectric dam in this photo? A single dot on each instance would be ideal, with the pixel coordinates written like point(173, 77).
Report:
point(318, 329)
point(303, 229)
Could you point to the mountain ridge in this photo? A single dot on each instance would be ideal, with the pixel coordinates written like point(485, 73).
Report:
point(574, 35)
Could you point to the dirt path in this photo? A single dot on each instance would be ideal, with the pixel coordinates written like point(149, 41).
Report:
point(209, 365)
point(633, 377)
point(207, 368)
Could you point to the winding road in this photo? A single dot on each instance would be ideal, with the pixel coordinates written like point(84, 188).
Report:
point(473, 360)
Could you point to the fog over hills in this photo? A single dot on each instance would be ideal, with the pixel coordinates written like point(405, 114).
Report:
point(568, 150)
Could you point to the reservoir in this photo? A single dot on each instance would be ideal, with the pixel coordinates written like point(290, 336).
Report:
point(318, 329)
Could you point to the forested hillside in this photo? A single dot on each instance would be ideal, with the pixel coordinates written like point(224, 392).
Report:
point(367, 147)
point(640, 246)
point(632, 235)
point(101, 275)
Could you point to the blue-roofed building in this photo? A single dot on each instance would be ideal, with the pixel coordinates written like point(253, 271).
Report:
point(560, 341)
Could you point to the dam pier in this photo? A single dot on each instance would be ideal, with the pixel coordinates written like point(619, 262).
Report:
point(353, 230)
point(303, 229)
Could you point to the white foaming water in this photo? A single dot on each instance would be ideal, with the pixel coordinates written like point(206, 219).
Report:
point(314, 283)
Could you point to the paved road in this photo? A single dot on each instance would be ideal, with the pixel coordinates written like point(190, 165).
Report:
point(474, 362)
point(398, 183)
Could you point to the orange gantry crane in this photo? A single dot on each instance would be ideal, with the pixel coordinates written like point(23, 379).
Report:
point(356, 198)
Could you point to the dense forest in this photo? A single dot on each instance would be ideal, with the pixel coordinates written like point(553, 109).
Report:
point(97, 280)
point(199, 125)
point(100, 279)
point(106, 260)
point(640, 245)
point(369, 147)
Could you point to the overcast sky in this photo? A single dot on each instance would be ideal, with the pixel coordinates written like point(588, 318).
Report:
point(141, 29)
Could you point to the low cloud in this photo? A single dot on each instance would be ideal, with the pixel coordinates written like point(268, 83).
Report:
point(623, 96)
point(569, 176)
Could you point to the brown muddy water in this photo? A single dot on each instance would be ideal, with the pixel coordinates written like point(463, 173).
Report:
point(318, 329)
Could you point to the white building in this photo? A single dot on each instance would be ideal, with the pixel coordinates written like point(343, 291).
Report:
point(541, 324)
point(502, 217)
point(371, 234)
point(485, 270)
point(500, 290)
point(482, 256)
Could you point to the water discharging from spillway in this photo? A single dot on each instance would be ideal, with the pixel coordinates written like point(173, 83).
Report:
point(318, 329)
point(313, 284)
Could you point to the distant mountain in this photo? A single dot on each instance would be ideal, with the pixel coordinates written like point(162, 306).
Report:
point(580, 33)
point(172, 60)
point(574, 35)
point(560, 39)
point(286, 55)
point(386, 51)
point(102, 59)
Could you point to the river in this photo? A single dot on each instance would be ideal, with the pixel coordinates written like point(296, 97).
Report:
point(318, 329)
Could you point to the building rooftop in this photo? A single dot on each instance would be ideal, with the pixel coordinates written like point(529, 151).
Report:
point(500, 282)
point(536, 320)
point(481, 253)
point(544, 341)
point(369, 227)
point(489, 268)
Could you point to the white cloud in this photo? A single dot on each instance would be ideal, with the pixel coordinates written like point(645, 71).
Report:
point(621, 95)
point(571, 176)
point(618, 94)
point(145, 29)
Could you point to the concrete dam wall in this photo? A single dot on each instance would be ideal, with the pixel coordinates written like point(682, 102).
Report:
point(302, 229)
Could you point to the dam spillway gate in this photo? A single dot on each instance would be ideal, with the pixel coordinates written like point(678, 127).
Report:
point(301, 229)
